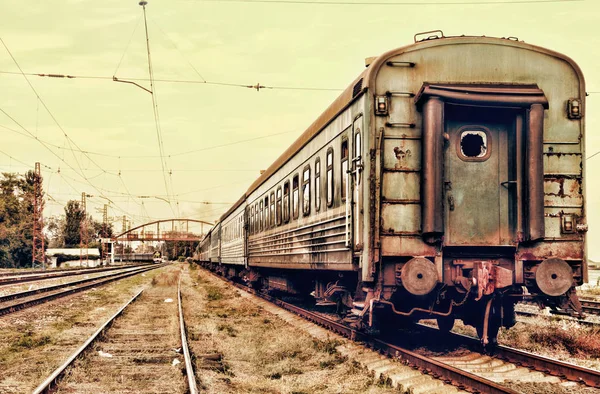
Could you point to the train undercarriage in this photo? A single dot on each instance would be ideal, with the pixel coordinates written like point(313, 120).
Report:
point(480, 292)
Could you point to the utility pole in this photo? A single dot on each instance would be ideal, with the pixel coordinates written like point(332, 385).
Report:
point(38, 256)
point(83, 233)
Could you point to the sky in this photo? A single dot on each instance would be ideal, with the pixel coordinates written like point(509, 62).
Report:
point(95, 135)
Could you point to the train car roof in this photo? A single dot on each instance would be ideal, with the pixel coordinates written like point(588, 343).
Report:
point(239, 202)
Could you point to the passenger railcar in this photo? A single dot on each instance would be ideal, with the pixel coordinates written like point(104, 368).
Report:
point(447, 181)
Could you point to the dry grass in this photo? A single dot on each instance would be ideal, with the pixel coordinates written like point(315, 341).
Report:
point(560, 336)
point(35, 341)
point(166, 278)
point(143, 342)
point(240, 348)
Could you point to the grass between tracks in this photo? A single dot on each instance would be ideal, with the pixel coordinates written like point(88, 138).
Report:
point(35, 341)
point(241, 348)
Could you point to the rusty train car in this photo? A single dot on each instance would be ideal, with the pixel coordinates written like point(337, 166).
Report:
point(447, 182)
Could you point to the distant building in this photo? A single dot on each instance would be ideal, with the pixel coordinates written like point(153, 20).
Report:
point(64, 257)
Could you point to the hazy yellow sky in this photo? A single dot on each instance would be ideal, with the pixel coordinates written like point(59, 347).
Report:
point(274, 44)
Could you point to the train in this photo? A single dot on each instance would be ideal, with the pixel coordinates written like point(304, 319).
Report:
point(445, 182)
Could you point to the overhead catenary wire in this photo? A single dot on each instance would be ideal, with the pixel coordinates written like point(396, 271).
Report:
point(69, 139)
point(155, 110)
point(147, 156)
point(181, 81)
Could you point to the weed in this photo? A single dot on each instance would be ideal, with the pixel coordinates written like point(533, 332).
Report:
point(29, 341)
point(329, 346)
point(232, 332)
point(276, 375)
point(165, 279)
point(213, 293)
point(329, 364)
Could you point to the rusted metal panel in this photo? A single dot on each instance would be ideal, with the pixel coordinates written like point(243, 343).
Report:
point(401, 187)
point(400, 218)
point(566, 250)
point(563, 192)
point(402, 155)
point(562, 163)
point(406, 246)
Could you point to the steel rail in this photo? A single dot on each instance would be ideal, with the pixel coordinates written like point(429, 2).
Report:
point(189, 368)
point(566, 318)
point(588, 306)
point(28, 271)
point(45, 298)
point(31, 277)
point(561, 369)
point(46, 384)
point(28, 293)
point(439, 370)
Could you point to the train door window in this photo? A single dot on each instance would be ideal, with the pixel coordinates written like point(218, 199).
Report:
point(317, 185)
point(329, 190)
point(266, 223)
point(344, 168)
point(306, 191)
point(260, 219)
point(474, 145)
point(278, 209)
point(272, 212)
point(357, 144)
point(295, 195)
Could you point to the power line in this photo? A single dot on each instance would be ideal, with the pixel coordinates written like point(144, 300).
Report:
point(155, 109)
point(147, 156)
point(69, 140)
point(181, 81)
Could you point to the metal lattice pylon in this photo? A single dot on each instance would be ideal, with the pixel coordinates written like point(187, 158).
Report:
point(38, 254)
point(83, 233)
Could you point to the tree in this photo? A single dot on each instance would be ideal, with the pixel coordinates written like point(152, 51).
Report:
point(73, 218)
point(55, 227)
point(16, 218)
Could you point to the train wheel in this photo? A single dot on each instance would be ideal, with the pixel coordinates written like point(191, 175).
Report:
point(445, 323)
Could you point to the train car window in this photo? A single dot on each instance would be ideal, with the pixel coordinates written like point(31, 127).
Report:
point(329, 174)
point(286, 201)
point(295, 195)
point(266, 224)
point(317, 184)
point(278, 209)
point(260, 218)
point(306, 191)
point(251, 220)
point(272, 212)
point(357, 144)
point(344, 168)
point(256, 218)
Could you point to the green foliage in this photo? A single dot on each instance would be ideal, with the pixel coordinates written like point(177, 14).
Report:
point(73, 217)
point(16, 219)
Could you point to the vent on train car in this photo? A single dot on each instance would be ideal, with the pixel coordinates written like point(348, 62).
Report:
point(357, 88)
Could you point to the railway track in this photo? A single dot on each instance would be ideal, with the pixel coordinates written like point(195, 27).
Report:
point(8, 280)
point(17, 301)
point(458, 372)
point(138, 354)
